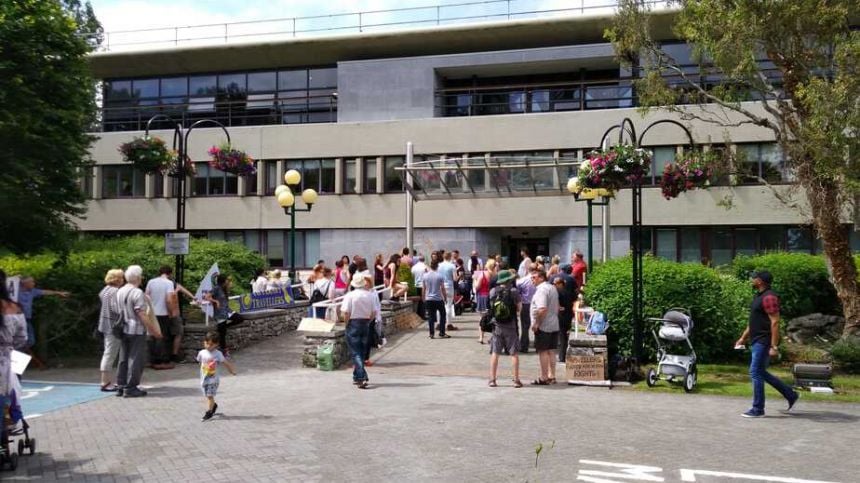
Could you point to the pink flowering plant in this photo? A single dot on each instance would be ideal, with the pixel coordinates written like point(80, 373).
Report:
point(230, 160)
point(149, 154)
point(620, 166)
point(690, 172)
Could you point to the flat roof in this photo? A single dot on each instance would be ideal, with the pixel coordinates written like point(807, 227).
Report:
point(437, 40)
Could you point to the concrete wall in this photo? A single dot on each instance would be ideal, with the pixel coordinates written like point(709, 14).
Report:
point(410, 82)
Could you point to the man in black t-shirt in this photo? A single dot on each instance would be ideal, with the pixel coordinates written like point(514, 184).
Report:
point(763, 334)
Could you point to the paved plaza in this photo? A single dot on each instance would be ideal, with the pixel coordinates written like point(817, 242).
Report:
point(429, 416)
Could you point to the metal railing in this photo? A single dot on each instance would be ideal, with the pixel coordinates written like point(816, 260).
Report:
point(331, 306)
point(348, 22)
point(453, 102)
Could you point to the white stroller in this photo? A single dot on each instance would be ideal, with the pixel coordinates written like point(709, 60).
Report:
point(675, 327)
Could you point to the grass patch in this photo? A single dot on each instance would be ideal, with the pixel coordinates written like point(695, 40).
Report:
point(733, 380)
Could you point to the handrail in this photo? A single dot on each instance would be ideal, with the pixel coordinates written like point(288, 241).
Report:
point(493, 10)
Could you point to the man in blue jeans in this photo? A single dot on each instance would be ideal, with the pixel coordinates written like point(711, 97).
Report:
point(358, 309)
point(763, 334)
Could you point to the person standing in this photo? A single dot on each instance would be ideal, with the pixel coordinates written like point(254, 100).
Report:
point(526, 289)
point(763, 335)
point(158, 290)
point(544, 315)
point(435, 296)
point(447, 270)
point(555, 267)
point(258, 284)
point(579, 269)
point(525, 264)
point(324, 286)
point(26, 295)
point(13, 335)
point(358, 309)
point(378, 267)
point(418, 271)
point(132, 352)
point(220, 297)
point(108, 316)
point(210, 358)
point(565, 316)
point(341, 276)
point(504, 303)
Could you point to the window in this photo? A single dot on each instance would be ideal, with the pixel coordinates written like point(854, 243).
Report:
point(746, 241)
point(772, 238)
point(667, 243)
point(327, 176)
point(370, 175)
point(393, 181)
point(87, 182)
point(350, 185)
point(158, 188)
point(799, 240)
point(721, 246)
point(252, 240)
point(122, 182)
point(277, 249)
point(251, 181)
point(663, 155)
point(691, 245)
point(272, 178)
point(317, 174)
point(209, 181)
point(477, 177)
point(174, 90)
point(275, 254)
point(203, 85)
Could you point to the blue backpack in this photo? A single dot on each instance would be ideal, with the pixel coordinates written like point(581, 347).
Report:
point(597, 324)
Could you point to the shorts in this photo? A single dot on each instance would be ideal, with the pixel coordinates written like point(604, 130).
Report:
point(210, 389)
point(505, 340)
point(177, 326)
point(546, 341)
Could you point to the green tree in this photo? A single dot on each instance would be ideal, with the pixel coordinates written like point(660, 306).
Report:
point(812, 107)
point(47, 105)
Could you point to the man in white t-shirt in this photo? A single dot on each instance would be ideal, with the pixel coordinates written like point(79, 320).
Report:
point(418, 271)
point(159, 289)
point(132, 352)
point(545, 326)
point(358, 309)
point(448, 271)
point(525, 265)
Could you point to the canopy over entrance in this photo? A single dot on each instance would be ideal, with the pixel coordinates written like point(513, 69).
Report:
point(487, 177)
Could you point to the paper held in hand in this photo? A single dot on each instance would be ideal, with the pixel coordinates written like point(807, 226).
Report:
point(20, 362)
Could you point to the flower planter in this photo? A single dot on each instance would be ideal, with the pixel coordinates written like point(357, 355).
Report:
point(690, 173)
point(148, 154)
point(621, 166)
point(230, 160)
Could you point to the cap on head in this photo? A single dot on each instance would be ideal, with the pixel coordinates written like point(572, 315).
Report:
point(764, 276)
point(505, 277)
point(358, 280)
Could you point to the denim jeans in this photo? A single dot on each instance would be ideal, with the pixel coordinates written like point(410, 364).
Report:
point(436, 312)
point(759, 375)
point(525, 327)
point(357, 332)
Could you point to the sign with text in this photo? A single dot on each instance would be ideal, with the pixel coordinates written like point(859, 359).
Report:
point(270, 299)
point(176, 243)
point(586, 368)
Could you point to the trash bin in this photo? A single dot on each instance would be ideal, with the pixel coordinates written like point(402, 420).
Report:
point(325, 356)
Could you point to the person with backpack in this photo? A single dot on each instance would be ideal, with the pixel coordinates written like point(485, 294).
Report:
point(323, 289)
point(544, 316)
point(504, 306)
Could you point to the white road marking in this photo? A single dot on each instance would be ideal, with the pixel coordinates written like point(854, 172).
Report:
point(690, 475)
point(591, 479)
point(627, 472)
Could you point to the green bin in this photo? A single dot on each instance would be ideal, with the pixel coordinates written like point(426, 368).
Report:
point(325, 356)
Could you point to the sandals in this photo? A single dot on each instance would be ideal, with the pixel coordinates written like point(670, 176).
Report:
point(551, 380)
point(493, 383)
point(518, 384)
point(539, 382)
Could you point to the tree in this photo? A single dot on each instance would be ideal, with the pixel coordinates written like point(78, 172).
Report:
point(787, 66)
point(47, 105)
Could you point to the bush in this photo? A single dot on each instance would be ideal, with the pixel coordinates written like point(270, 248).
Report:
point(718, 303)
point(846, 353)
point(66, 325)
point(800, 279)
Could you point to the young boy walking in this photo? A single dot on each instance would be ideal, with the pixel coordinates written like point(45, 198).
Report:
point(209, 358)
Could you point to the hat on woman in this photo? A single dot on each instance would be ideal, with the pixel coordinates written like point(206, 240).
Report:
point(358, 280)
point(505, 277)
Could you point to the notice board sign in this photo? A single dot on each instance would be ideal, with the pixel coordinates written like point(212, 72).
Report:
point(176, 243)
point(586, 368)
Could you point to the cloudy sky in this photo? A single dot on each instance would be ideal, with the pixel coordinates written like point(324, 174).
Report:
point(122, 15)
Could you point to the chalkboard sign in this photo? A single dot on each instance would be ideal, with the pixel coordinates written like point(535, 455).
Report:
point(586, 368)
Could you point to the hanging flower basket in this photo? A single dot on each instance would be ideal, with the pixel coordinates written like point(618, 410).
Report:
point(690, 173)
point(230, 160)
point(190, 168)
point(622, 165)
point(148, 154)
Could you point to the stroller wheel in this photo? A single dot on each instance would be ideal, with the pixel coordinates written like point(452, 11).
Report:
point(32, 446)
point(20, 446)
point(651, 378)
point(13, 461)
point(690, 381)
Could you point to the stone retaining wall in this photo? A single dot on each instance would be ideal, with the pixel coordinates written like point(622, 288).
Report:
point(256, 327)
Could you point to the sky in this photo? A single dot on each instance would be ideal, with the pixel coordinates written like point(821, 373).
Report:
point(123, 15)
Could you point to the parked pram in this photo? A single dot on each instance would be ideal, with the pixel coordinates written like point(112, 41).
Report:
point(13, 424)
point(674, 328)
point(463, 297)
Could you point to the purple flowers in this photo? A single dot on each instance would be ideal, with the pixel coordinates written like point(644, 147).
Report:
point(230, 160)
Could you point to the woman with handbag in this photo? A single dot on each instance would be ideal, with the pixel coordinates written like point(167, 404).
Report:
point(108, 316)
point(220, 298)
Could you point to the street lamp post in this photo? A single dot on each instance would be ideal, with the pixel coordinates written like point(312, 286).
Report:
point(589, 195)
point(285, 197)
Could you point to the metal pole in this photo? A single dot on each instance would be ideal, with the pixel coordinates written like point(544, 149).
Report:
point(607, 228)
point(590, 237)
point(180, 200)
point(410, 206)
point(293, 277)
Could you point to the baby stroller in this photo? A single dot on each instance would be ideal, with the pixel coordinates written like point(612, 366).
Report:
point(463, 297)
point(11, 416)
point(674, 328)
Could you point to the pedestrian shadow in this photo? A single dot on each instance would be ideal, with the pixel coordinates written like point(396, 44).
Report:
point(823, 416)
point(172, 391)
point(394, 384)
point(32, 468)
point(261, 417)
point(383, 363)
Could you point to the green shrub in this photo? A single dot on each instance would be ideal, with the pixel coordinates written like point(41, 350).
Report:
point(800, 279)
point(66, 325)
point(846, 353)
point(718, 303)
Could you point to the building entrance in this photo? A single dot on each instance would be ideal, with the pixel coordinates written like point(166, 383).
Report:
point(535, 246)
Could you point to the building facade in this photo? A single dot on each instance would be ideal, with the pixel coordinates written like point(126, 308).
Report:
point(341, 110)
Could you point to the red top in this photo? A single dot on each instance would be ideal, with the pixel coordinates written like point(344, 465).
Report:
point(579, 269)
point(338, 279)
point(482, 283)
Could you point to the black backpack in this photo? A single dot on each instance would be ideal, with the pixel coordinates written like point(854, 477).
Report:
point(318, 296)
point(502, 305)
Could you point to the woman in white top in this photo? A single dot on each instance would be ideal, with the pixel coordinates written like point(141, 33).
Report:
point(114, 279)
point(275, 283)
point(13, 335)
point(259, 283)
point(325, 286)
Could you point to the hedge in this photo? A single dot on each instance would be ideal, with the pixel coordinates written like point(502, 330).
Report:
point(66, 325)
point(800, 279)
point(718, 303)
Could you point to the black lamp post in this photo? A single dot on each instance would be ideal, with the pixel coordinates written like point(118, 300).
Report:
point(589, 195)
point(285, 197)
point(180, 145)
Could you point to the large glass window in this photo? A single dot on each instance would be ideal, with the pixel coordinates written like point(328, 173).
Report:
point(799, 240)
point(721, 246)
point(327, 176)
point(174, 90)
point(772, 238)
point(122, 182)
point(275, 253)
point(691, 245)
point(667, 243)
point(663, 155)
point(277, 246)
point(272, 178)
point(393, 182)
point(203, 85)
point(350, 178)
point(209, 181)
point(316, 174)
point(370, 175)
point(746, 241)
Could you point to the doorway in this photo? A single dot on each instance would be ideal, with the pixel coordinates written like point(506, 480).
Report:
point(535, 247)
